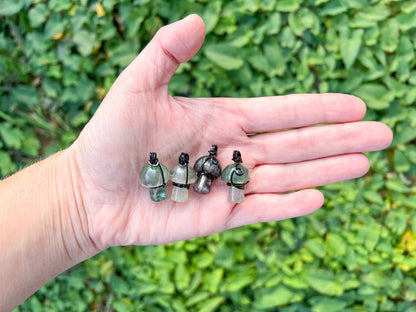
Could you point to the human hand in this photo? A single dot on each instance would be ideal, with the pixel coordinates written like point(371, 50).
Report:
point(138, 116)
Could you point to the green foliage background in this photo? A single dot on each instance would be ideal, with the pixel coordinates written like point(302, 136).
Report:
point(59, 57)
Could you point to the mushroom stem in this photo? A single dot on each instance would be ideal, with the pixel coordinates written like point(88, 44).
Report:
point(203, 184)
point(179, 194)
point(235, 195)
point(158, 194)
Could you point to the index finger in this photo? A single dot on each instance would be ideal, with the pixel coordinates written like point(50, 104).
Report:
point(296, 110)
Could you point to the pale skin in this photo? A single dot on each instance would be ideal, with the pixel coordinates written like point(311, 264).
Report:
point(86, 198)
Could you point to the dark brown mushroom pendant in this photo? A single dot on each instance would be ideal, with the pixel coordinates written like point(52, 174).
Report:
point(208, 169)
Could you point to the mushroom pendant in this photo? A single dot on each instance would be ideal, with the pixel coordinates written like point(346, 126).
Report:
point(182, 175)
point(236, 176)
point(154, 176)
point(208, 168)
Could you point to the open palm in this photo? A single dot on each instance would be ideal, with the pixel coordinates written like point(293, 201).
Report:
point(138, 116)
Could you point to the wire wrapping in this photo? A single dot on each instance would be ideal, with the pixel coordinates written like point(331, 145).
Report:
point(239, 172)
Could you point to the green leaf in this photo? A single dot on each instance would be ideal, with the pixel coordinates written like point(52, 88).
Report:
point(31, 146)
point(182, 277)
point(211, 304)
point(12, 137)
point(6, 164)
point(376, 278)
point(10, 7)
point(55, 25)
point(238, 282)
point(397, 221)
point(85, 42)
point(198, 297)
point(273, 297)
point(24, 94)
point(374, 13)
point(369, 235)
point(211, 15)
point(376, 96)
point(38, 14)
point(390, 36)
point(124, 53)
point(401, 163)
point(287, 5)
point(334, 7)
point(336, 244)
point(318, 248)
point(373, 196)
point(51, 87)
point(349, 45)
point(397, 185)
point(203, 260)
point(224, 56)
point(406, 21)
point(213, 279)
point(324, 283)
point(325, 304)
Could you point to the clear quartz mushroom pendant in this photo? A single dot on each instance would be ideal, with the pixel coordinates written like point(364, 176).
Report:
point(182, 175)
point(208, 169)
point(236, 176)
point(154, 176)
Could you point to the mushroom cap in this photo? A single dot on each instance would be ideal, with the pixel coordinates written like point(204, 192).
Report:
point(208, 164)
point(237, 172)
point(151, 176)
point(178, 174)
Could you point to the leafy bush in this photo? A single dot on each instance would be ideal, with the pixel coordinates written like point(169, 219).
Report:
point(58, 58)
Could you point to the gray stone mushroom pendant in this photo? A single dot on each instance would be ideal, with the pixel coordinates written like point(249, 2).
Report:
point(208, 169)
point(154, 176)
point(236, 176)
point(182, 175)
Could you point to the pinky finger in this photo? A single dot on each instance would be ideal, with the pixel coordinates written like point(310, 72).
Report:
point(274, 207)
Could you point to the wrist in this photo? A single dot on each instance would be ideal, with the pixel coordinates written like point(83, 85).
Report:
point(43, 227)
point(72, 217)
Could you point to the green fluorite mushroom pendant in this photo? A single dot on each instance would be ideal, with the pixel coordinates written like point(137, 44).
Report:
point(182, 175)
point(154, 176)
point(236, 176)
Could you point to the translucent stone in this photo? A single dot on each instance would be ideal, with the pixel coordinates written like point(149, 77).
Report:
point(237, 172)
point(178, 174)
point(158, 194)
point(179, 194)
point(203, 184)
point(235, 195)
point(151, 176)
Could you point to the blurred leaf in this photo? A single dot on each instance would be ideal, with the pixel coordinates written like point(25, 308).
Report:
point(6, 165)
point(12, 137)
point(349, 45)
point(390, 36)
point(31, 146)
point(213, 279)
point(401, 164)
point(287, 5)
point(324, 283)
point(10, 7)
point(376, 96)
point(273, 297)
point(54, 26)
point(85, 42)
point(210, 304)
point(182, 277)
point(224, 56)
point(325, 304)
point(38, 14)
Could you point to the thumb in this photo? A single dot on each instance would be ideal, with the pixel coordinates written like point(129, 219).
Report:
point(172, 45)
